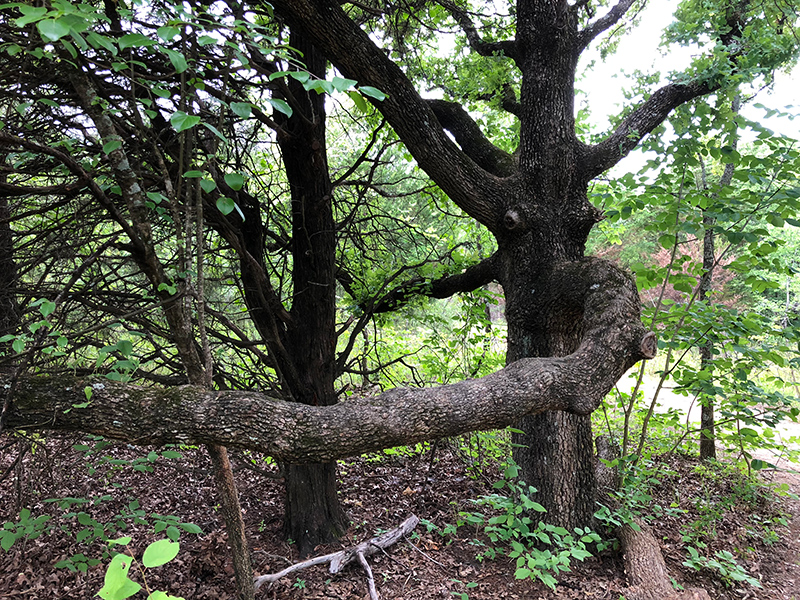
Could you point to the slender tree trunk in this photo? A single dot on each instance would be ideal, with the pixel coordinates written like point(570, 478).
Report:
point(9, 315)
point(708, 447)
point(313, 512)
point(234, 523)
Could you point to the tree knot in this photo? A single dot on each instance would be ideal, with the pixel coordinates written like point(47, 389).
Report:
point(512, 219)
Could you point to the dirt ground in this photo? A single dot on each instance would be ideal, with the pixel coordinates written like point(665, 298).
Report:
point(378, 493)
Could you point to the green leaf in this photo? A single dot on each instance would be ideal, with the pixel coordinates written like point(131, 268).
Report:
point(208, 185)
point(29, 14)
point(522, 573)
point(205, 40)
point(372, 92)
point(225, 205)
point(193, 174)
point(47, 307)
point(359, 101)
point(159, 553)
point(242, 109)
point(234, 180)
point(109, 147)
point(158, 595)
point(181, 121)
point(178, 60)
point(135, 40)
point(117, 585)
point(341, 84)
point(319, 86)
point(281, 106)
point(168, 32)
point(52, 30)
point(666, 241)
point(301, 76)
point(216, 132)
point(125, 347)
point(98, 41)
point(122, 541)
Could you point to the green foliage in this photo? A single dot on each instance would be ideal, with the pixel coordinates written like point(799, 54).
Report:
point(725, 565)
point(118, 585)
point(24, 528)
point(743, 197)
point(539, 550)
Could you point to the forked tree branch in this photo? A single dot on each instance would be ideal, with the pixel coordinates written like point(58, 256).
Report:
point(471, 138)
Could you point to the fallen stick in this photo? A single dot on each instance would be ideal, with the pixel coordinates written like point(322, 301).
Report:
point(339, 560)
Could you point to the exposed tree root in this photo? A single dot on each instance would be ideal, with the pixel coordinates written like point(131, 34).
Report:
point(339, 560)
point(648, 578)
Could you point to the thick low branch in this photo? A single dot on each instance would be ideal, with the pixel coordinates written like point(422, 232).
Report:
point(614, 339)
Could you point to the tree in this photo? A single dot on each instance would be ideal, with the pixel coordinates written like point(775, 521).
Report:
point(534, 201)
point(145, 109)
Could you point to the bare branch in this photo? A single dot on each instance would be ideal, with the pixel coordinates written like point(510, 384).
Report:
point(608, 20)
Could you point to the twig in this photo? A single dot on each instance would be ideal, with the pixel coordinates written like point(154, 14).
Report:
point(339, 560)
point(373, 593)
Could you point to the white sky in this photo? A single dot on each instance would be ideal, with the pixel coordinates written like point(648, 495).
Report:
point(639, 50)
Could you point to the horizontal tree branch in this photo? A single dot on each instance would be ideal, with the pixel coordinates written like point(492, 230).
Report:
point(614, 339)
point(470, 279)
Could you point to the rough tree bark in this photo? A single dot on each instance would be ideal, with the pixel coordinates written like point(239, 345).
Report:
point(535, 203)
point(313, 512)
point(613, 340)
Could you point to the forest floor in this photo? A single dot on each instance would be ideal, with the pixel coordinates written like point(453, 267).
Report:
point(379, 492)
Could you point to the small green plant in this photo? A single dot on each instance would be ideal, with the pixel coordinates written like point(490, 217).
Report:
point(118, 585)
point(300, 584)
point(463, 595)
point(541, 550)
point(25, 528)
point(724, 563)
